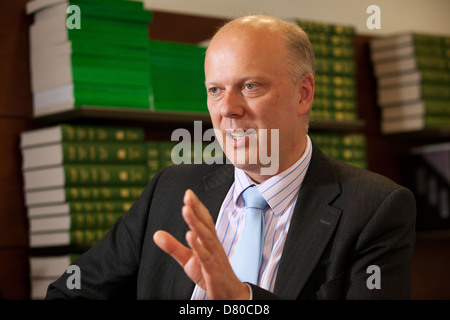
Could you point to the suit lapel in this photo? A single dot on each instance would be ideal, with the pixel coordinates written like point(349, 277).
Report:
point(312, 225)
point(217, 184)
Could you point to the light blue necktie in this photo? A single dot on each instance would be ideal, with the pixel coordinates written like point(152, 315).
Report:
point(248, 254)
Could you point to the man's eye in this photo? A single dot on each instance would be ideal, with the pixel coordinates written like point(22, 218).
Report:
point(214, 90)
point(249, 86)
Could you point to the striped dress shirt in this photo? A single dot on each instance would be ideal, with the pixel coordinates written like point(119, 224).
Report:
point(281, 193)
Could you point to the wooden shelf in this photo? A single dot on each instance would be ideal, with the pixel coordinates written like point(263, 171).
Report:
point(133, 115)
point(144, 117)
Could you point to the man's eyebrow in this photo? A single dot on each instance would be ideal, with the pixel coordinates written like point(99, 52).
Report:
point(241, 80)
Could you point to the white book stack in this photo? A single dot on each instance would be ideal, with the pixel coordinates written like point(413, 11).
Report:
point(87, 53)
point(413, 81)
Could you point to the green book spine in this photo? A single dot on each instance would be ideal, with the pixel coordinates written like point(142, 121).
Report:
point(337, 93)
point(430, 62)
point(436, 76)
point(332, 104)
point(166, 153)
point(351, 140)
point(103, 193)
point(105, 175)
point(153, 153)
point(435, 91)
point(327, 28)
point(422, 39)
point(86, 237)
point(87, 133)
point(89, 221)
point(99, 206)
point(350, 148)
point(432, 122)
point(437, 107)
point(74, 152)
point(331, 39)
point(324, 49)
point(334, 66)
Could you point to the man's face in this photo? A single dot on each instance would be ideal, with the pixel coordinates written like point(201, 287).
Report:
point(249, 87)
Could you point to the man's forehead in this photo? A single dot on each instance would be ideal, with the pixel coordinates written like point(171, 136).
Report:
point(252, 28)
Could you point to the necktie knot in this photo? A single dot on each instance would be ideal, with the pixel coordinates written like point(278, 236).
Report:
point(254, 199)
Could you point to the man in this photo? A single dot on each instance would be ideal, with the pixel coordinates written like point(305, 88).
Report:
point(326, 226)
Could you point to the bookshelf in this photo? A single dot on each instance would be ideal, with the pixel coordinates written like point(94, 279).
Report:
point(157, 117)
point(385, 153)
point(431, 260)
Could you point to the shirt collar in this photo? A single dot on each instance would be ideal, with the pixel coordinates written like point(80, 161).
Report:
point(279, 190)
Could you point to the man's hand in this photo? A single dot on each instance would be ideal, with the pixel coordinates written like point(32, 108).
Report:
point(205, 262)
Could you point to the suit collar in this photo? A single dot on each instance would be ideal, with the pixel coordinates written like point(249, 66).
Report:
point(312, 225)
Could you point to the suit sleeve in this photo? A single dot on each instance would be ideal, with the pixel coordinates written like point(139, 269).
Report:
point(109, 268)
point(386, 246)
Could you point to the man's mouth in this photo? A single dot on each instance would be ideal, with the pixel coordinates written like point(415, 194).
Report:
point(239, 136)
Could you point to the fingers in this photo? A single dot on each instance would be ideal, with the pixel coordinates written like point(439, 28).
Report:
point(191, 200)
point(199, 221)
point(172, 246)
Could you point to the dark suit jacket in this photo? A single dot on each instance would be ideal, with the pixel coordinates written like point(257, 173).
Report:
point(345, 220)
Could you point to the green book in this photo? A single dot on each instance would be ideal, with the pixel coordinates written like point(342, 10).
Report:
point(332, 104)
point(114, 9)
point(331, 39)
point(67, 194)
point(80, 207)
point(72, 96)
point(350, 148)
point(153, 157)
point(166, 152)
point(73, 221)
point(80, 133)
point(172, 64)
point(85, 175)
point(332, 115)
point(324, 49)
point(83, 238)
point(83, 152)
point(436, 76)
point(118, 96)
point(334, 66)
point(327, 28)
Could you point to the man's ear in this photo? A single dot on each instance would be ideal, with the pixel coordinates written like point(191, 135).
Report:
point(306, 90)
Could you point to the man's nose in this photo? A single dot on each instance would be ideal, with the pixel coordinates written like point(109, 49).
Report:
point(233, 105)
